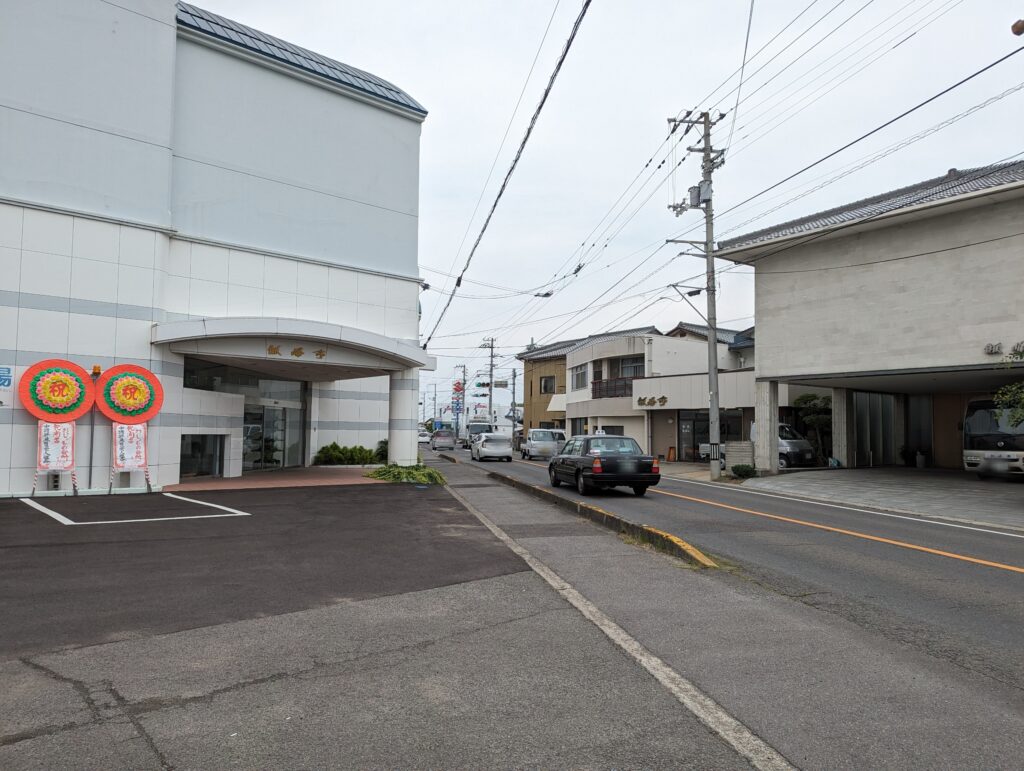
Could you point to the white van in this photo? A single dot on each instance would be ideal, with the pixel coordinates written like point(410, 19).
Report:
point(794, 450)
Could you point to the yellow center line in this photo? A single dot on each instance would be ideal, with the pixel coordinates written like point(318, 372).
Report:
point(854, 533)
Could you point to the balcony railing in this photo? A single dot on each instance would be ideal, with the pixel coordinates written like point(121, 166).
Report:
point(605, 389)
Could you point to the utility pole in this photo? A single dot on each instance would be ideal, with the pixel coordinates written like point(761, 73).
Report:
point(700, 197)
point(515, 425)
point(489, 343)
point(435, 403)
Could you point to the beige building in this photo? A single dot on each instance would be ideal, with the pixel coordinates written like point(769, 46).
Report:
point(904, 305)
point(544, 385)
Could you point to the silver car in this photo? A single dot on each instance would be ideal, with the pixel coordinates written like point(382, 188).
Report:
point(442, 439)
point(542, 443)
point(496, 446)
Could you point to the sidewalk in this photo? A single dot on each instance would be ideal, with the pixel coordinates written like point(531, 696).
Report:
point(821, 690)
point(951, 495)
point(310, 476)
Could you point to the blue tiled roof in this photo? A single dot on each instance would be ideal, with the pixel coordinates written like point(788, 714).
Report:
point(724, 335)
point(228, 31)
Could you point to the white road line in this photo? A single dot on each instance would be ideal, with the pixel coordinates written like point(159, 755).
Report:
point(760, 754)
point(48, 512)
point(158, 519)
point(234, 512)
point(922, 520)
point(65, 521)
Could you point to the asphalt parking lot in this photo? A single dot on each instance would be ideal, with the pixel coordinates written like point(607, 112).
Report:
point(150, 564)
point(359, 626)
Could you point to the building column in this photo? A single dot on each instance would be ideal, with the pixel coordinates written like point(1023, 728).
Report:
point(403, 427)
point(842, 427)
point(766, 417)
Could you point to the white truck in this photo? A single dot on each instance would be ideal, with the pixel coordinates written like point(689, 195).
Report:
point(472, 428)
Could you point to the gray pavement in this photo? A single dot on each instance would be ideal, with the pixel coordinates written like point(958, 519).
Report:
point(409, 637)
point(818, 682)
point(952, 495)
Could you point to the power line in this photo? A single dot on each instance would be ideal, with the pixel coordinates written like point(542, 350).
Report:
point(875, 130)
point(515, 161)
point(501, 144)
point(743, 67)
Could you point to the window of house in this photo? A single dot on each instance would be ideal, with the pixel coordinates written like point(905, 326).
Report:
point(547, 384)
point(613, 430)
point(632, 366)
point(579, 377)
point(598, 375)
point(547, 424)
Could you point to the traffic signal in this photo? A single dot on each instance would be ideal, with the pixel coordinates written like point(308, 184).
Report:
point(483, 385)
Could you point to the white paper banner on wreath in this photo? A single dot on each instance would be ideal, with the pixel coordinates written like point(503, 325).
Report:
point(56, 447)
point(130, 447)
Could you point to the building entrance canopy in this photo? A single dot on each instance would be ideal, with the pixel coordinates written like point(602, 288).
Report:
point(980, 379)
point(287, 348)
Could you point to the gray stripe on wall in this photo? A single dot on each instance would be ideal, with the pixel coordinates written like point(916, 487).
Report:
point(165, 419)
point(403, 424)
point(44, 302)
point(28, 358)
point(357, 396)
point(351, 425)
point(405, 384)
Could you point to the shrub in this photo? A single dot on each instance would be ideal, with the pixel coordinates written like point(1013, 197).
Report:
point(334, 455)
point(743, 471)
point(382, 451)
point(423, 475)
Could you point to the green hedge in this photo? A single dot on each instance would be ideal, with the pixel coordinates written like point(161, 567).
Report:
point(335, 455)
point(423, 475)
point(743, 471)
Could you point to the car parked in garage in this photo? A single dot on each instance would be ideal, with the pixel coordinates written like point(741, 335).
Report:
point(595, 462)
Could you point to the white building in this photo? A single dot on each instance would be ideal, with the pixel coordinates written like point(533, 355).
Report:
point(904, 304)
point(237, 214)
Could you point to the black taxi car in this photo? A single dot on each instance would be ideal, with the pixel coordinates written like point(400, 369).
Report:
point(590, 462)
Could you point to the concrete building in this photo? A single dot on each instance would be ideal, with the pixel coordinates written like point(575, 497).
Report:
point(228, 210)
point(676, 405)
point(544, 385)
point(904, 305)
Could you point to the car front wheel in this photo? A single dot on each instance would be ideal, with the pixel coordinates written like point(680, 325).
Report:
point(783, 463)
point(555, 481)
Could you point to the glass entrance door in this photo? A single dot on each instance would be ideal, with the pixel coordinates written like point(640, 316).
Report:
point(267, 432)
point(273, 437)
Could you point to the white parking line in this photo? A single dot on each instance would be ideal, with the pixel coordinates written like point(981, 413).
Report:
point(48, 512)
point(65, 521)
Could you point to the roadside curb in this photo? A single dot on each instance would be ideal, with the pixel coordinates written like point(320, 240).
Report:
point(659, 539)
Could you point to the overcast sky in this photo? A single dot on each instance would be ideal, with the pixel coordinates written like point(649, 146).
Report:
point(633, 65)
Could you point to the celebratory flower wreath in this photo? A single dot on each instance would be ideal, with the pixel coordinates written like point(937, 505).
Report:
point(56, 390)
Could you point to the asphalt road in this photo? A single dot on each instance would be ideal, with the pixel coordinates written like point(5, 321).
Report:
point(885, 573)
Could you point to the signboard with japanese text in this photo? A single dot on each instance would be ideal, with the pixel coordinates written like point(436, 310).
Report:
point(6, 385)
point(56, 447)
point(129, 445)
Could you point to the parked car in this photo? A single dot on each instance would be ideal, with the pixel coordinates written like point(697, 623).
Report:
point(424, 438)
point(497, 446)
point(794, 450)
point(442, 439)
point(542, 443)
point(590, 462)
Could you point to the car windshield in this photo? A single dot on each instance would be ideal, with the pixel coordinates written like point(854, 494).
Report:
point(542, 436)
point(442, 434)
point(614, 445)
point(496, 438)
point(478, 429)
point(788, 433)
point(984, 418)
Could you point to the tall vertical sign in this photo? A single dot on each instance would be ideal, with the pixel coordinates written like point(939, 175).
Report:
point(130, 396)
point(56, 392)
